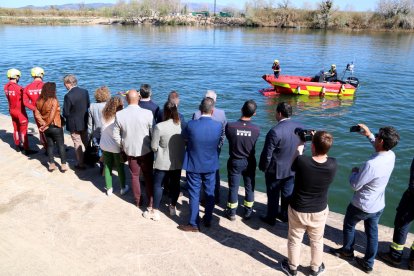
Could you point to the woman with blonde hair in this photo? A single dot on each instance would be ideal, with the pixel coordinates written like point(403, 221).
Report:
point(50, 124)
point(102, 95)
point(111, 150)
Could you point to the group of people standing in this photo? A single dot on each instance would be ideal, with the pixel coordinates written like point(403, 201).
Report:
point(158, 145)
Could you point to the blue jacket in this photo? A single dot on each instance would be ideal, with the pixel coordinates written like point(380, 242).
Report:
point(203, 139)
point(218, 115)
point(279, 149)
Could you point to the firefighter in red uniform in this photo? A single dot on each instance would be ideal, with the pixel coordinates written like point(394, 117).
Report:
point(14, 94)
point(31, 93)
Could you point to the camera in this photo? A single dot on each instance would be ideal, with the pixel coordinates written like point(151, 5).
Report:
point(304, 134)
point(355, 129)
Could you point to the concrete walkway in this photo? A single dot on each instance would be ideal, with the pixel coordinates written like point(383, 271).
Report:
point(63, 224)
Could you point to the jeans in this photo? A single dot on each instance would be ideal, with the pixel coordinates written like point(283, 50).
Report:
point(174, 186)
point(96, 142)
point(195, 182)
point(274, 189)
point(55, 134)
point(110, 160)
point(237, 168)
point(352, 217)
point(402, 223)
point(144, 163)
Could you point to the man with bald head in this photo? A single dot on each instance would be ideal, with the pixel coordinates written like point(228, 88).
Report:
point(132, 132)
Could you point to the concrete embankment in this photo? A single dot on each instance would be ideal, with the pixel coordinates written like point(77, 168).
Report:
point(63, 224)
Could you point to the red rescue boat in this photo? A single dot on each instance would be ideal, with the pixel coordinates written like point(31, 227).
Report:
point(311, 86)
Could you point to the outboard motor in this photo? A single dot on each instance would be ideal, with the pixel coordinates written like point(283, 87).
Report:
point(353, 81)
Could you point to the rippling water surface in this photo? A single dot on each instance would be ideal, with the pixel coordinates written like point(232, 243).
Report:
point(232, 61)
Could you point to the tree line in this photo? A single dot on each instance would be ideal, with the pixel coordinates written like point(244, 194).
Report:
point(388, 14)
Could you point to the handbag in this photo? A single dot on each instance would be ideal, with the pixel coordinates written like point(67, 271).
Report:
point(91, 155)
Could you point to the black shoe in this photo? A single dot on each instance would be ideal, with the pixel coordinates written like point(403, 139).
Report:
point(267, 220)
point(80, 167)
point(340, 252)
point(286, 268)
point(207, 224)
point(217, 200)
point(248, 213)
point(282, 218)
point(387, 258)
point(362, 264)
point(411, 264)
point(29, 152)
point(229, 215)
point(321, 270)
point(19, 148)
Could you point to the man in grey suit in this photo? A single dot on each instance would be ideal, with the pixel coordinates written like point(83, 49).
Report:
point(75, 110)
point(132, 132)
point(276, 161)
point(220, 116)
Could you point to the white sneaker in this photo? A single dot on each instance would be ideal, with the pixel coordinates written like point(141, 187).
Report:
point(156, 215)
point(147, 214)
point(125, 190)
point(173, 212)
point(109, 192)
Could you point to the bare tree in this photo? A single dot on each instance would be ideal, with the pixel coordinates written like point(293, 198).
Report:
point(285, 4)
point(325, 9)
point(392, 8)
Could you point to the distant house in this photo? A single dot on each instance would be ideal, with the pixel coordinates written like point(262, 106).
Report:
point(226, 14)
point(201, 14)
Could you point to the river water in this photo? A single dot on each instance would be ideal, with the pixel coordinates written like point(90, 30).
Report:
point(232, 61)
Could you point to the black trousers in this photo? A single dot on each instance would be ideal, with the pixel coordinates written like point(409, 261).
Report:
point(54, 135)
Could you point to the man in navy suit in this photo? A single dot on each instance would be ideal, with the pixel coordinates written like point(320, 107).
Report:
point(201, 162)
point(276, 162)
point(75, 110)
point(220, 116)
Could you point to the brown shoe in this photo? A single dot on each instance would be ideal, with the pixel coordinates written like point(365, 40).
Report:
point(51, 166)
point(188, 228)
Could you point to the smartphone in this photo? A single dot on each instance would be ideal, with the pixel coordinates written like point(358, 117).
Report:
point(355, 129)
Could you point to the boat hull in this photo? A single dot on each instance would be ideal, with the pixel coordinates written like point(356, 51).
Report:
point(299, 85)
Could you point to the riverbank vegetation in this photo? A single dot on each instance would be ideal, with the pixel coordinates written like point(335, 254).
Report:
point(389, 14)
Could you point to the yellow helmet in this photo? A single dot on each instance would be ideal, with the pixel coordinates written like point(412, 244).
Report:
point(13, 73)
point(333, 66)
point(276, 61)
point(37, 72)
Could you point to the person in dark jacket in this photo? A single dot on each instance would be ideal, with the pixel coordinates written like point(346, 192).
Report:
point(75, 110)
point(403, 220)
point(275, 161)
point(146, 103)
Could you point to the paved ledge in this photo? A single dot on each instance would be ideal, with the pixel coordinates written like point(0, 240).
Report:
point(63, 224)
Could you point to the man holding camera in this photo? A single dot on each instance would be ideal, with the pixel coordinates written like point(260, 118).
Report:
point(369, 183)
point(308, 208)
point(275, 161)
